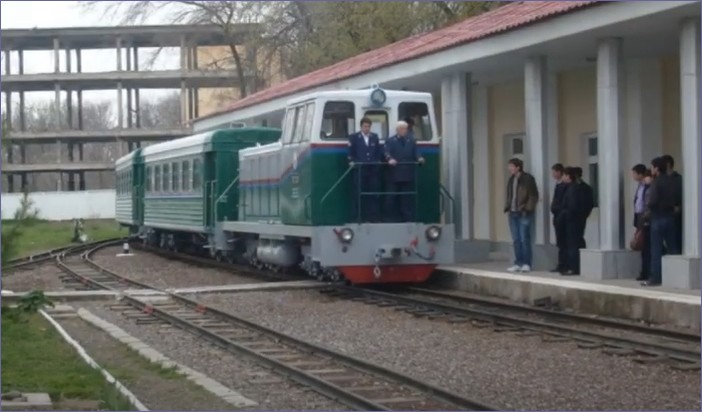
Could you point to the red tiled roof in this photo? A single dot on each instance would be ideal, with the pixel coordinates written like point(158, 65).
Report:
point(502, 19)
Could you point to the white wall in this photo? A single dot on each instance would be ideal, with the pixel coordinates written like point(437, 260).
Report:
point(90, 204)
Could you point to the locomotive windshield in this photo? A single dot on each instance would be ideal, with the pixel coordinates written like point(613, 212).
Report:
point(419, 115)
point(339, 120)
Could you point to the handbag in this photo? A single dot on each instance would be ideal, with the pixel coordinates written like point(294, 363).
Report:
point(637, 241)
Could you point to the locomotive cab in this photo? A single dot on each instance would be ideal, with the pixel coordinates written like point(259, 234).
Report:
point(309, 192)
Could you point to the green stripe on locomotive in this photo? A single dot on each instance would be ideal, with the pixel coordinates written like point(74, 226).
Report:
point(313, 194)
point(213, 161)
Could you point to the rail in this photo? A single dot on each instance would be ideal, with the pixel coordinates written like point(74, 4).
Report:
point(355, 383)
point(680, 348)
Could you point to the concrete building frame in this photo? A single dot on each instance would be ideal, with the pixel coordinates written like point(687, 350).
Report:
point(127, 80)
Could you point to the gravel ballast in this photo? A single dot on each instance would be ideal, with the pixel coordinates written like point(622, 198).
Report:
point(160, 272)
point(501, 369)
point(271, 391)
point(154, 388)
point(44, 277)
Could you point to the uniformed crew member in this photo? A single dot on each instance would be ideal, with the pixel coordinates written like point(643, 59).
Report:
point(365, 155)
point(401, 154)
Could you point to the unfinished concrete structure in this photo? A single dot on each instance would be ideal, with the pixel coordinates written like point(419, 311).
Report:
point(126, 79)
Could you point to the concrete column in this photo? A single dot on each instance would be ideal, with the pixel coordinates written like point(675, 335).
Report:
point(137, 106)
point(80, 109)
point(683, 271)
point(196, 101)
point(7, 62)
point(457, 164)
point(644, 138)
point(611, 261)
point(57, 59)
point(183, 103)
point(194, 54)
point(690, 122)
point(57, 107)
point(552, 135)
point(481, 162)
point(20, 57)
point(79, 60)
point(120, 110)
point(535, 95)
point(119, 53)
point(610, 125)
point(183, 54)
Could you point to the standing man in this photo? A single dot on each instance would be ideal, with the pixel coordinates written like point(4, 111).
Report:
point(571, 217)
point(661, 206)
point(401, 154)
point(638, 173)
point(520, 204)
point(677, 181)
point(587, 199)
point(556, 205)
point(365, 155)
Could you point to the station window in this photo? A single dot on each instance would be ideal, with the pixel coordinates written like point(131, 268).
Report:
point(186, 176)
point(419, 113)
point(166, 185)
point(157, 178)
point(338, 120)
point(380, 123)
point(175, 169)
point(593, 167)
point(197, 176)
point(149, 183)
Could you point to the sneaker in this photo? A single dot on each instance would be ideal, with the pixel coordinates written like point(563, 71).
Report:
point(525, 269)
point(513, 269)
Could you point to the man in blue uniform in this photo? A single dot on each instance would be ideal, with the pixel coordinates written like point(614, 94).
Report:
point(401, 154)
point(365, 155)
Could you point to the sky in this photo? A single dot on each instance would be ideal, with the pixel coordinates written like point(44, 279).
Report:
point(51, 14)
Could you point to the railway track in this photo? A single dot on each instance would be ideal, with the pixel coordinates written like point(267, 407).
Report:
point(351, 381)
point(237, 269)
point(42, 257)
point(680, 349)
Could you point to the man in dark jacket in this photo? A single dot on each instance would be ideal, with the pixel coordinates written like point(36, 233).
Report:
point(402, 155)
point(556, 203)
point(365, 155)
point(572, 213)
point(661, 206)
point(587, 203)
point(520, 202)
point(677, 179)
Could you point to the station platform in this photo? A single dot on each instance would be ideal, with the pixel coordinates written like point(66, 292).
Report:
point(624, 299)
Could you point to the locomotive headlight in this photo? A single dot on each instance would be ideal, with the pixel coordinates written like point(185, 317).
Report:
point(433, 232)
point(346, 235)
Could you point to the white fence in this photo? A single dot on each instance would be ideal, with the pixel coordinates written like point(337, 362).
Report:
point(89, 204)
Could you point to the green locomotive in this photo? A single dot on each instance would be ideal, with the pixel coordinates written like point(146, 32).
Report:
point(281, 199)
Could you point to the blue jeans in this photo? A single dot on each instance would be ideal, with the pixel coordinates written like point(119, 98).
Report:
point(662, 231)
point(520, 227)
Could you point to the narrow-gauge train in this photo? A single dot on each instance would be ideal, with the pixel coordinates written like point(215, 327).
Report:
point(280, 199)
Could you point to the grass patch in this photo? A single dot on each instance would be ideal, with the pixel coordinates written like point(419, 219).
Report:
point(128, 375)
point(42, 235)
point(36, 359)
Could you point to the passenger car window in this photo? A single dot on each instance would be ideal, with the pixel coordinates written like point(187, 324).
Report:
point(419, 113)
point(166, 185)
point(288, 126)
point(186, 176)
point(149, 183)
point(336, 119)
point(175, 167)
point(197, 182)
point(157, 179)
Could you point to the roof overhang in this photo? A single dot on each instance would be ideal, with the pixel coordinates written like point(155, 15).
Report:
point(571, 24)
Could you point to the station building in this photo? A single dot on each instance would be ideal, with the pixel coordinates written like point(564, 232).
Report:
point(600, 85)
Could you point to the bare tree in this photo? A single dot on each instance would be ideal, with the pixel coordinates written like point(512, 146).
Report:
point(162, 113)
point(226, 15)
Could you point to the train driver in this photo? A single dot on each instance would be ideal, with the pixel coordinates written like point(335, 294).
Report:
point(365, 155)
point(401, 154)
